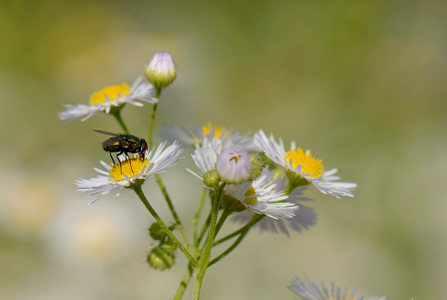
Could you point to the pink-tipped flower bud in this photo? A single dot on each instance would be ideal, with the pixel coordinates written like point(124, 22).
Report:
point(161, 70)
point(233, 165)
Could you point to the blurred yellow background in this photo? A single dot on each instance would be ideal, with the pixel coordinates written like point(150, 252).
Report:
point(361, 83)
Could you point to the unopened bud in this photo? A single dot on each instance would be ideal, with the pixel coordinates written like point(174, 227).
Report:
point(160, 259)
point(169, 248)
point(211, 178)
point(161, 70)
point(157, 232)
point(233, 165)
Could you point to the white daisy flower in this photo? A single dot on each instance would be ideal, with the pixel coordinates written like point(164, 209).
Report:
point(205, 156)
point(304, 218)
point(130, 171)
point(311, 291)
point(111, 97)
point(195, 135)
point(262, 196)
point(304, 165)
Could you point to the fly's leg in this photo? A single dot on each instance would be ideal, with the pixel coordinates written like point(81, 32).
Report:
point(121, 168)
point(130, 161)
point(112, 158)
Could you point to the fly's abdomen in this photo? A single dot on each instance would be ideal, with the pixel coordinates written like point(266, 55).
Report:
point(111, 146)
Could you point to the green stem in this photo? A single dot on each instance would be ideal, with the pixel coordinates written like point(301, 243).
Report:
point(222, 219)
point(184, 283)
point(243, 233)
point(157, 176)
point(167, 198)
point(139, 192)
point(231, 248)
point(195, 221)
point(183, 233)
point(117, 115)
point(202, 232)
point(255, 219)
point(205, 254)
point(151, 126)
point(187, 277)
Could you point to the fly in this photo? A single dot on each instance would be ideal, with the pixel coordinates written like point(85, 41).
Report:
point(123, 143)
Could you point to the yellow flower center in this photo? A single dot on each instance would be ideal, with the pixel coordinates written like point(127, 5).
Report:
point(112, 93)
point(219, 131)
point(309, 165)
point(250, 192)
point(130, 168)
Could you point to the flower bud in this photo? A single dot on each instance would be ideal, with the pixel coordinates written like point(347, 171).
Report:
point(169, 248)
point(161, 70)
point(159, 259)
point(211, 178)
point(256, 165)
point(157, 232)
point(233, 165)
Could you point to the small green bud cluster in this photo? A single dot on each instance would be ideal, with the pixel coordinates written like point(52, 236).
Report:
point(161, 257)
point(157, 232)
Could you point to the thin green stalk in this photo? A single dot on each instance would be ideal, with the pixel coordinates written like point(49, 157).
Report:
point(243, 233)
point(255, 219)
point(151, 126)
point(185, 237)
point(222, 219)
point(184, 283)
point(157, 176)
point(231, 248)
point(149, 207)
point(164, 191)
point(195, 221)
point(117, 115)
point(205, 253)
point(203, 231)
point(187, 277)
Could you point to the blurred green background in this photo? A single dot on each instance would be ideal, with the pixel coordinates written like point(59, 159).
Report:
point(361, 83)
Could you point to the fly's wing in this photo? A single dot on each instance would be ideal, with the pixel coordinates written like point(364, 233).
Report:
point(106, 132)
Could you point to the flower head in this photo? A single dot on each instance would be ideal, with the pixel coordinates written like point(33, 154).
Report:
point(205, 157)
point(161, 70)
point(195, 135)
point(262, 196)
point(304, 216)
point(304, 166)
point(111, 98)
point(233, 165)
point(311, 291)
point(130, 171)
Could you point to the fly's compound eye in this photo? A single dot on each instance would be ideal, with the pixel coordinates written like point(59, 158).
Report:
point(143, 148)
